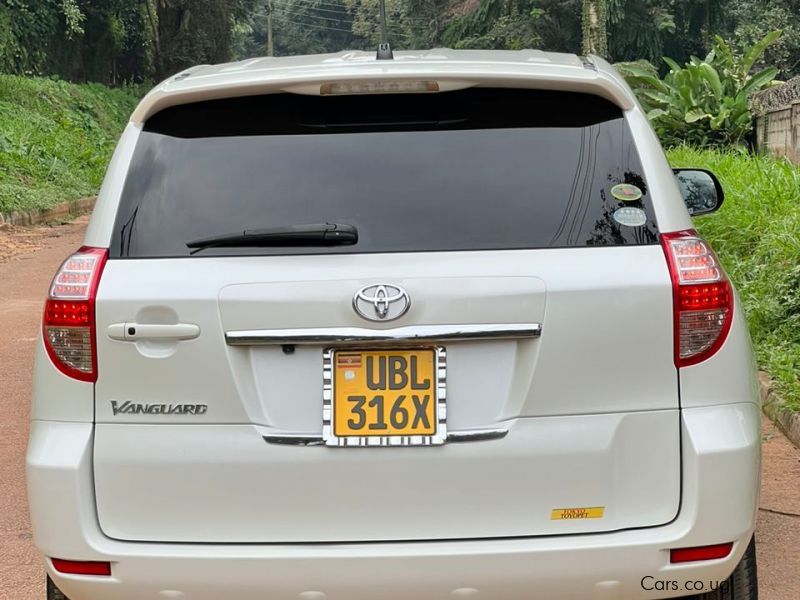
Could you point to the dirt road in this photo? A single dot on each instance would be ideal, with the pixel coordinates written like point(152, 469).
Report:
point(28, 259)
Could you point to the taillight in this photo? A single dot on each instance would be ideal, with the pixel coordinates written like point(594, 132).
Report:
point(702, 297)
point(68, 325)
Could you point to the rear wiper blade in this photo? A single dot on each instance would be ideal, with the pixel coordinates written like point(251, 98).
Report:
point(315, 234)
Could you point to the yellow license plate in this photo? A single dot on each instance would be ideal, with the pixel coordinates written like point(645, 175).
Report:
point(386, 397)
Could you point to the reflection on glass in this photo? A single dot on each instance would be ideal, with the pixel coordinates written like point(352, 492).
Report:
point(476, 169)
point(699, 191)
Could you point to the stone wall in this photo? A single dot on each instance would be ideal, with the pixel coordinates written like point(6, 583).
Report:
point(777, 116)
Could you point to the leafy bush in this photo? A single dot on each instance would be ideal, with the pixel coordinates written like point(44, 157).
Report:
point(755, 236)
point(703, 103)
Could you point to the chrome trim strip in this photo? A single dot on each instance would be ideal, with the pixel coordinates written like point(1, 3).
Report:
point(464, 435)
point(476, 435)
point(291, 439)
point(360, 335)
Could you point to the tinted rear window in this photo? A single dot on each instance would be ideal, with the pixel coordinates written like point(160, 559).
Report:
point(474, 169)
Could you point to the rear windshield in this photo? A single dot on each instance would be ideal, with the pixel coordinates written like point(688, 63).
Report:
point(475, 169)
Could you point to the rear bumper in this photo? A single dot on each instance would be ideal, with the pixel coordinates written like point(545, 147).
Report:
point(721, 461)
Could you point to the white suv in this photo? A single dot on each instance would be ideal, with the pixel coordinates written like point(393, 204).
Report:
point(431, 327)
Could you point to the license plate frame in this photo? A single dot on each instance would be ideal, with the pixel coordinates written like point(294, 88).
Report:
point(439, 388)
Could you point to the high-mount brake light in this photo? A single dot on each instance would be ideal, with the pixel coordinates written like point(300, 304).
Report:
point(702, 297)
point(378, 86)
point(68, 326)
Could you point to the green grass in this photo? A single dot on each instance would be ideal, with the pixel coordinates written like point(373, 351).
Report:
point(56, 138)
point(756, 234)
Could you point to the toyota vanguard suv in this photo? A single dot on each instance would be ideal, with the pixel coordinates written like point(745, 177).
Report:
point(433, 327)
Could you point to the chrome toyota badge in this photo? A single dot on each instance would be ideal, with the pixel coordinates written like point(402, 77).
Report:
point(381, 302)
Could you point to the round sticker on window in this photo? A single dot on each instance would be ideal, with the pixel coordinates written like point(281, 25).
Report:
point(626, 192)
point(632, 217)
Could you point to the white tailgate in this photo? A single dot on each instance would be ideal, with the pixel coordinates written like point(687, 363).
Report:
point(590, 407)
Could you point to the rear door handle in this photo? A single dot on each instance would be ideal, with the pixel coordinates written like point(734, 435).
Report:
point(133, 332)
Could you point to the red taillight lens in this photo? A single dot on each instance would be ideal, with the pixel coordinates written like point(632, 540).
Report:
point(702, 297)
point(68, 324)
point(82, 567)
point(682, 555)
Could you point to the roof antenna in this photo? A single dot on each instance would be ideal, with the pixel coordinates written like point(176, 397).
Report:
point(384, 48)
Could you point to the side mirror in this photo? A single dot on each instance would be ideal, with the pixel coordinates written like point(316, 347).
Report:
point(701, 190)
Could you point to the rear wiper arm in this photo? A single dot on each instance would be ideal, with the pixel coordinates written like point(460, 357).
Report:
point(316, 234)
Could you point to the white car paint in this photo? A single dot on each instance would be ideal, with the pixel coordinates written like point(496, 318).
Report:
point(672, 454)
point(719, 440)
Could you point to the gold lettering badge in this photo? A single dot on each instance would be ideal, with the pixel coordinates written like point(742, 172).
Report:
point(592, 512)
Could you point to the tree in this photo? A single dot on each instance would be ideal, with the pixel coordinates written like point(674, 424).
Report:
point(426, 21)
point(696, 23)
point(496, 24)
point(28, 33)
point(187, 32)
point(558, 25)
point(594, 17)
point(751, 20)
point(113, 45)
point(638, 29)
point(116, 41)
point(366, 23)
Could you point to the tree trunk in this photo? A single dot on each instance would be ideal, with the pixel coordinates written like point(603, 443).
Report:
point(175, 48)
point(192, 32)
point(152, 19)
point(270, 42)
point(594, 17)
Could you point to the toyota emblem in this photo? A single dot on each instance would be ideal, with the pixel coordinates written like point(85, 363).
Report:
point(381, 302)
